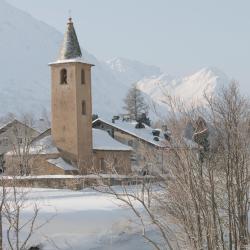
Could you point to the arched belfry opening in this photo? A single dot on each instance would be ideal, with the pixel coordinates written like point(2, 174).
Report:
point(63, 76)
point(83, 80)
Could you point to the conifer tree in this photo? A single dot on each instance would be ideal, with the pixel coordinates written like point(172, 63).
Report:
point(135, 103)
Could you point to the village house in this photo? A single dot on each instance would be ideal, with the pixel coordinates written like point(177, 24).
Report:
point(72, 146)
point(14, 136)
point(151, 147)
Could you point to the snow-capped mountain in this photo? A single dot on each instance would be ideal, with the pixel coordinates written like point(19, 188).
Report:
point(28, 45)
point(129, 71)
point(189, 89)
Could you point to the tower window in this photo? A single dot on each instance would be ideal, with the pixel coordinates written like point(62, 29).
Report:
point(83, 108)
point(83, 76)
point(102, 164)
point(63, 76)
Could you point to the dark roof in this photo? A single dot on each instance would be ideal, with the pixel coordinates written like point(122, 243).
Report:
point(70, 48)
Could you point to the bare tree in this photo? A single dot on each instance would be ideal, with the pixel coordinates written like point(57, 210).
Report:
point(44, 122)
point(14, 200)
point(21, 143)
point(230, 115)
point(20, 230)
point(135, 103)
point(200, 199)
point(13, 207)
point(209, 194)
point(3, 194)
point(140, 198)
point(20, 135)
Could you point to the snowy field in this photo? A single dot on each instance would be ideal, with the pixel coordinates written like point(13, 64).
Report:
point(83, 220)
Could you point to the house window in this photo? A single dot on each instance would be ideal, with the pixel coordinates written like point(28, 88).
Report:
point(5, 141)
point(20, 140)
point(102, 164)
point(83, 108)
point(133, 157)
point(63, 76)
point(83, 76)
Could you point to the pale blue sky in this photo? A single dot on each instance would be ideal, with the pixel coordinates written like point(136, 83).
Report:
point(180, 36)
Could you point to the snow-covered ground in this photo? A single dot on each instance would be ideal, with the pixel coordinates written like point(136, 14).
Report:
point(83, 220)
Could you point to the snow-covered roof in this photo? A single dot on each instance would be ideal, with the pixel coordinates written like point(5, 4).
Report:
point(6, 125)
point(144, 134)
point(103, 141)
point(43, 146)
point(59, 162)
point(74, 60)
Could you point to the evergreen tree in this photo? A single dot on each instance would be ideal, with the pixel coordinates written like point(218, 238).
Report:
point(135, 104)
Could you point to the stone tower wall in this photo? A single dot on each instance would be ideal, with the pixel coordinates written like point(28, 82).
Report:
point(71, 130)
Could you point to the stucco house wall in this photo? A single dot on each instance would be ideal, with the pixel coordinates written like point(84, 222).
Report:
point(37, 164)
point(144, 154)
point(15, 134)
point(112, 161)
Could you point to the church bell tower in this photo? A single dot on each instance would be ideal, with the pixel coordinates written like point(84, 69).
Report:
point(71, 102)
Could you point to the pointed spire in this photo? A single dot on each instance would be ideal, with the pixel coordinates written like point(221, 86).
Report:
point(70, 48)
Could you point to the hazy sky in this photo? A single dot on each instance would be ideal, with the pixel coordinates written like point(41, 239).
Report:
point(180, 36)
